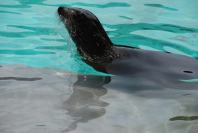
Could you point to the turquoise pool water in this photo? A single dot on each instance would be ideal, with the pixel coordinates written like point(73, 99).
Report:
point(31, 34)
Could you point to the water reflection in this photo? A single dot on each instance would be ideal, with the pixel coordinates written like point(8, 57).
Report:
point(131, 99)
point(84, 104)
point(111, 104)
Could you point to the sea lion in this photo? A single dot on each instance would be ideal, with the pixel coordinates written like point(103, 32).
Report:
point(97, 50)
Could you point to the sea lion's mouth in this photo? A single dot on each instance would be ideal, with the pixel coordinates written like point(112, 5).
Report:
point(62, 11)
point(63, 14)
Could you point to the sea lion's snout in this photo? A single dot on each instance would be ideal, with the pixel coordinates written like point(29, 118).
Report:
point(61, 11)
point(66, 11)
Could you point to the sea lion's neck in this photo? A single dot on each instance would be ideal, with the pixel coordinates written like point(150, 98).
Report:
point(107, 56)
point(91, 39)
point(99, 62)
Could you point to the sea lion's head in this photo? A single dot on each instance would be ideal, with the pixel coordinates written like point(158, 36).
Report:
point(86, 31)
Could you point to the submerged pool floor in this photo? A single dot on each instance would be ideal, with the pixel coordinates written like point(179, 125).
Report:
point(43, 95)
point(47, 101)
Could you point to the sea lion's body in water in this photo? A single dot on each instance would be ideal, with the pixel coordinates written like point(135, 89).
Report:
point(97, 50)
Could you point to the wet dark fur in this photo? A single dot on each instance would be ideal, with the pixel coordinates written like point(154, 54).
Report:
point(97, 50)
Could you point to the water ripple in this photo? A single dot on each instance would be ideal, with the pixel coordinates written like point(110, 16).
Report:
point(107, 5)
point(10, 12)
point(161, 6)
point(24, 52)
point(33, 31)
point(136, 40)
point(84, 4)
point(15, 6)
point(123, 34)
point(29, 28)
point(52, 47)
point(126, 28)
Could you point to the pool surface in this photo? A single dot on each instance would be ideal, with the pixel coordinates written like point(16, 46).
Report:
point(46, 88)
point(31, 34)
point(45, 101)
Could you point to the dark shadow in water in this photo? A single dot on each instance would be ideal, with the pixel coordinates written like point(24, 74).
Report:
point(162, 7)
point(20, 78)
point(184, 118)
point(84, 104)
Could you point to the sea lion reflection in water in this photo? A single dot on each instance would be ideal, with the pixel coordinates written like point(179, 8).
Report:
point(85, 104)
point(97, 50)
